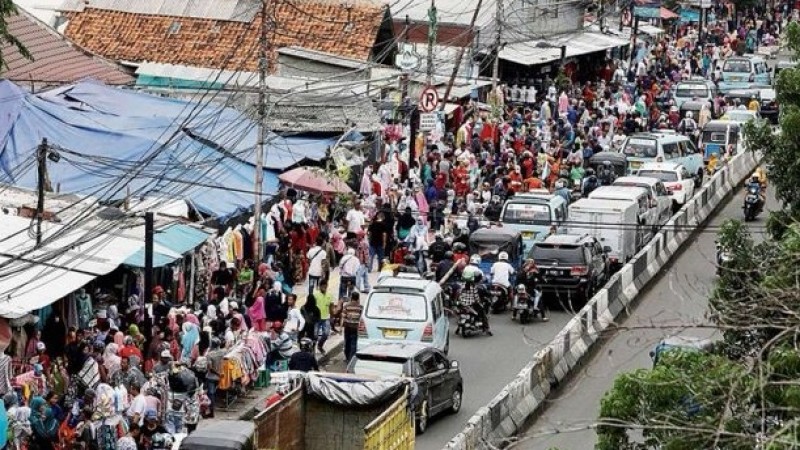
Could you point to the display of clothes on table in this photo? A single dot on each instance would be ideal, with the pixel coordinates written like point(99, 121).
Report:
point(242, 361)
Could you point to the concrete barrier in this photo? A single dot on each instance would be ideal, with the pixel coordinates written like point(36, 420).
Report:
point(504, 416)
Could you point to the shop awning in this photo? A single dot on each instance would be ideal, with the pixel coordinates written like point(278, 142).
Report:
point(31, 279)
point(170, 244)
point(667, 14)
point(541, 52)
point(650, 30)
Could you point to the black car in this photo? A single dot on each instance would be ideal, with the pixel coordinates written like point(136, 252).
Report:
point(438, 379)
point(572, 267)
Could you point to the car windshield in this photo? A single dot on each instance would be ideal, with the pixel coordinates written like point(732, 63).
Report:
point(736, 65)
point(692, 91)
point(529, 213)
point(397, 306)
point(488, 251)
point(558, 254)
point(640, 148)
point(377, 367)
point(660, 174)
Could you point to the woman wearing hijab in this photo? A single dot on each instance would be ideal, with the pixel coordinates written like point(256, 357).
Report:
point(257, 315)
point(274, 304)
point(112, 314)
point(43, 424)
point(112, 362)
point(153, 351)
point(189, 341)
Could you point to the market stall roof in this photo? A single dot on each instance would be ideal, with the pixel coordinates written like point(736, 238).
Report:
point(666, 13)
point(650, 30)
point(69, 258)
point(314, 180)
point(170, 244)
point(200, 151)
point(544, 51)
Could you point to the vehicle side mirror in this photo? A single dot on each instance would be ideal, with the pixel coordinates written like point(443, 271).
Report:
point(607, 249)
point(454, 364)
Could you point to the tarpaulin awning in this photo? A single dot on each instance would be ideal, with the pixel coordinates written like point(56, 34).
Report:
point(667, 14)
point(650, 30)
point(68, 259)
point(314, 180)
point(170, 244)
point(540, 52)
point(117, 141)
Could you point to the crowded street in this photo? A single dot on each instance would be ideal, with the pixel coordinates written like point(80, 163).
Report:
point(299, 230)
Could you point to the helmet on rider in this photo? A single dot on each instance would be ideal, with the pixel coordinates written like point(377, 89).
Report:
point(306, 345)
point(521, 289)
point(590, 172)
point(503, 256)
point(460, 247)
point(409, 260)
point(475, 259)
point(448, 255)
point(689, 114)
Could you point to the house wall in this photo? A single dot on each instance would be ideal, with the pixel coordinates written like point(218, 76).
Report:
point(528, 20)
point(291, 66)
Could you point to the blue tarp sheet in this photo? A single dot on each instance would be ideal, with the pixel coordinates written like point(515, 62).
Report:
point(176, 239)
point(117, 141)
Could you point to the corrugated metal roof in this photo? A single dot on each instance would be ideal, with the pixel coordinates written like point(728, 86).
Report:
point(544, 51)
point(56, 60)
point(309, 115)
point(230, 10)
point(323, 57)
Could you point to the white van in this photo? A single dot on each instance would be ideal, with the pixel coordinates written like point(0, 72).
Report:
point(613, 223)
point(647, 213)
point(659, 196)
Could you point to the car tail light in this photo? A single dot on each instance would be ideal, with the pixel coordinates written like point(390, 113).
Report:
point(579, 271)
point(613, 260)
point(427, 333)
point(675, 187)
point(362, 328)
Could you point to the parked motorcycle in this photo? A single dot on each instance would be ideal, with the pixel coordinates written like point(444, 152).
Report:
point(752, 203)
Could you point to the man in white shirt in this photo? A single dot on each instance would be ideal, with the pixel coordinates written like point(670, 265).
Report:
point(348, 267)
point(355, 220)
point(502, 271)
point(316, 255)
point(138, 405)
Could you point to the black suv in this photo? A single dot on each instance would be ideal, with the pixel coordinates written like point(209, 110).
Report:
point(572, 267)
point(438, 379)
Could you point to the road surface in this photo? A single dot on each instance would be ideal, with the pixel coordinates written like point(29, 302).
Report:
point(678, 299)
point(487, 365)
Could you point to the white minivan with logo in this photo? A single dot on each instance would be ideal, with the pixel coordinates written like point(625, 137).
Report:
point(405, 308)
point(648, 212)
point(658, 194)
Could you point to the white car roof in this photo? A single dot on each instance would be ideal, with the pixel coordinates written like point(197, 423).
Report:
point(661, 167)
point(650, 181)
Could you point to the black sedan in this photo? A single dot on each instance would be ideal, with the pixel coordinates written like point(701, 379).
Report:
point(439, 386)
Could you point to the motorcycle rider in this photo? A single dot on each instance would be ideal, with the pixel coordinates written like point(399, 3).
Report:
point(280, 344)
point(409, 265)
point(444, 266)
point(438, 248)
point(473, 269)
point(304, 360)
point(502, 272)
point(590, 183)
point(472, 297)
point(688, 126)
point(492, 212)
point(562, 190)
point(755, 182)
point(607, 176)
point(529, 278)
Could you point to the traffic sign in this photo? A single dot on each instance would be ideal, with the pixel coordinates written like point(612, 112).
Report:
point(427, 121)
point(428, 99)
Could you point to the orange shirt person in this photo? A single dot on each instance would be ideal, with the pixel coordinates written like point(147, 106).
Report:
point(532, 183)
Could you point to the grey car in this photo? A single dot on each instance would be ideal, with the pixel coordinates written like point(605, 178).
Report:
point(439, 386)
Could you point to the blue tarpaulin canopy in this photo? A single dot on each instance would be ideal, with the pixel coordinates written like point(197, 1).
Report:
point(113, 142)
point(170, 244)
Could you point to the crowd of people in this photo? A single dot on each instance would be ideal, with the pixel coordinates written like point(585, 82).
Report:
point(132, 379)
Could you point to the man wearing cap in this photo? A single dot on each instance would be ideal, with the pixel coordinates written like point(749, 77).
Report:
point(162, 366)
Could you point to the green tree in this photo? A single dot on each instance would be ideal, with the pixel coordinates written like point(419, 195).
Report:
point(7, 8)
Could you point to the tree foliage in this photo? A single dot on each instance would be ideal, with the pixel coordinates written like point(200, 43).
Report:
point(745, 394)
point(7, 9)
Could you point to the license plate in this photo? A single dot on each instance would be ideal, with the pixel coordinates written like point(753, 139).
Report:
point(635, 164)
point(554, 272)
point(394, 334)
point(528, 234)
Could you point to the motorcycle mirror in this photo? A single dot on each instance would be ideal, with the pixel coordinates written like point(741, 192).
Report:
point(454, 364)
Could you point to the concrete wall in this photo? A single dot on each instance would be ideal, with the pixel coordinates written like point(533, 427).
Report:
point(507, 412)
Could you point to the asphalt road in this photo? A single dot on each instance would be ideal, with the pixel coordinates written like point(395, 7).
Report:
point(673, 304)
point(487, 365)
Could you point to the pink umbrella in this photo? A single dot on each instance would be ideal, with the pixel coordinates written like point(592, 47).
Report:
point(314, 180)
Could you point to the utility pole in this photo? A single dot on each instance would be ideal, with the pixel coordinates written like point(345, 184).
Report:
point(41, 159)
point(263, 100)
point(497, 43)
point(149, 231)
point(459, 57)
point(602, 14)
point(433, 24)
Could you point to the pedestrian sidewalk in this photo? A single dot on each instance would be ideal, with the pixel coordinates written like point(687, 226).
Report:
point(256, 399)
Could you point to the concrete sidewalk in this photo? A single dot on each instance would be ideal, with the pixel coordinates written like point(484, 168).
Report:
point(254, 401)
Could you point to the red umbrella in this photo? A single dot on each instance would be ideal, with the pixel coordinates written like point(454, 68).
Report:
point(314, 180)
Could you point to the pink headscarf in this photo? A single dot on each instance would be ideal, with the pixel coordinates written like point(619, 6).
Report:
point(191, 318)
point(243, 324)
point(172, 322)
point(256, 310)
point(262, 269)
point(119, 339)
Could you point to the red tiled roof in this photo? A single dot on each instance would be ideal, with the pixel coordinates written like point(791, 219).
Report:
point(56, 60)
point(313, 24)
